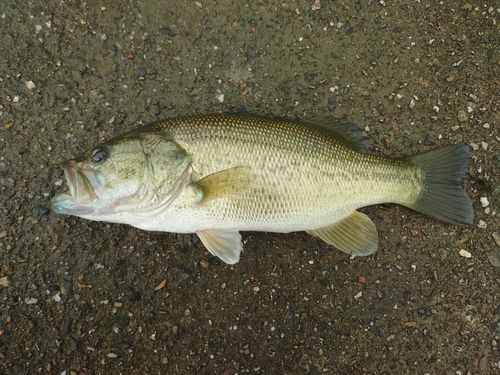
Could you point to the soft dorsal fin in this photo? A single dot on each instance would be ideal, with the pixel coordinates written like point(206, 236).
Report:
point(356, 234)
point(225, 244)
point(226, 183)
point(339, 128)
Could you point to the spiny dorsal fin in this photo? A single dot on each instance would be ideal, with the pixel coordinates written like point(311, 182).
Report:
point(339, 128)
point(224, 244)
point(225, 183)
point(356, 234)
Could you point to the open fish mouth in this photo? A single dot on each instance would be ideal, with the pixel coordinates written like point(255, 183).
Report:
point(82, 184)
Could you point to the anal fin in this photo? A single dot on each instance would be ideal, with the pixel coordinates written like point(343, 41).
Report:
point(356, 234)
point(224, 244)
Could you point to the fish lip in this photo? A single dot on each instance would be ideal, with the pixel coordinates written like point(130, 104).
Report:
point(82, 182)
point(70, 175)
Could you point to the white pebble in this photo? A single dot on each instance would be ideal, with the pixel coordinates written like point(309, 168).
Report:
point(112, 355)
point(436, 109)
point(482, 224)
point(30, 301)
point(30, 85)
point(474, 146)
point(465, 253)
point(484, 145)
point(256, 289)
point(358, 296)
point(221, 98)
point(484, 202)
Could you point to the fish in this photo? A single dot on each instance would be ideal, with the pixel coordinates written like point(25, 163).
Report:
point(219, 174)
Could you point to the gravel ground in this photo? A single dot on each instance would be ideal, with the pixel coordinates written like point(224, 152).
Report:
point(80, 297)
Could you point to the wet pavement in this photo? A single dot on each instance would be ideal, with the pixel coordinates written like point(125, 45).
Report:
point(81, 297)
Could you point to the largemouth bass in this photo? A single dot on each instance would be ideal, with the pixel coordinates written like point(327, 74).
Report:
point(217, 175)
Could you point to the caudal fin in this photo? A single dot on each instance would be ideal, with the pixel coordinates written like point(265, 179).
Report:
point(443, 197)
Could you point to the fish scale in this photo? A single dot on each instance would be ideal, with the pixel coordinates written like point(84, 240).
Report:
point(305, 171)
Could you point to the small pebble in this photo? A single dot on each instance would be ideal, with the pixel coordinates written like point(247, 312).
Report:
point(112, 355)
point(483, 363)
point(136, 296)
point(434, 68)
point(30, 85)
point(482, 224)
point(496, 328)
point(494, 258)
point(496, 238)
point(161, 285)
point(462, 116)
point(484, 202)
point(465, 253)
point(4, 281)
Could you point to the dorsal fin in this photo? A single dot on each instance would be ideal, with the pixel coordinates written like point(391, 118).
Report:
point(342, 130)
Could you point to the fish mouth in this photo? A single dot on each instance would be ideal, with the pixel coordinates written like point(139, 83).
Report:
point(83, 186)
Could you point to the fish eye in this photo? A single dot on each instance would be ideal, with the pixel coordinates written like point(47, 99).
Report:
point(99, 155)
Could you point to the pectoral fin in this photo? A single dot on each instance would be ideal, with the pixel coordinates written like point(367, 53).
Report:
point(225, 183)
point(225, 244)
point(356, 234)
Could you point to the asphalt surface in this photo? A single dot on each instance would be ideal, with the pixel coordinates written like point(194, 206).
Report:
point(81, 297)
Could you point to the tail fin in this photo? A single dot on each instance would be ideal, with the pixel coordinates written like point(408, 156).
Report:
point(442, 197)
